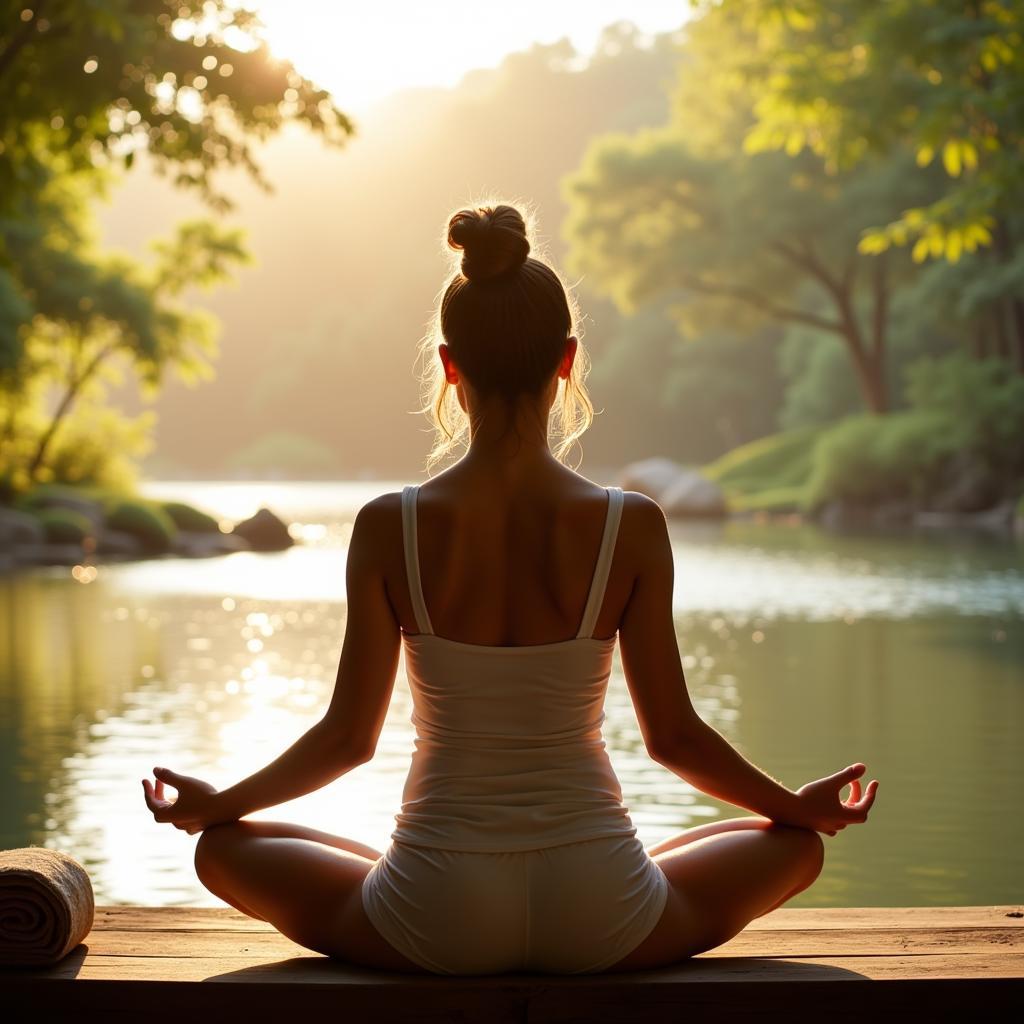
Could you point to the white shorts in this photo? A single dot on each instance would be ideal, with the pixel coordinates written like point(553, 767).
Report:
point(576, 908)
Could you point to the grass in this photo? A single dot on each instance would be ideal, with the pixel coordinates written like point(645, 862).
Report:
point(769, 474)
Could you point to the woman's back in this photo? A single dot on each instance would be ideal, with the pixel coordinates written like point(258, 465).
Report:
point(509, 753)
point(512, 567)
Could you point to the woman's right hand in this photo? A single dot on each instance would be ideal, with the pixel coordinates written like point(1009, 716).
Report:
point(820, 805)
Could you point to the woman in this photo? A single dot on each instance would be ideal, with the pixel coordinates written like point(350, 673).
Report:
point(513, 849)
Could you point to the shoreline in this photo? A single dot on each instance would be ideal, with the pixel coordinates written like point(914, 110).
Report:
point(193, 545)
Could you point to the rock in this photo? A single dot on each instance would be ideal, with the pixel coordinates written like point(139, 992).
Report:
point(200, 544)
point(264, 532)
point(693, 494)
point(17, 528)
point(92, 510)
point(679, 490)
point(650, 476)
point(117, 542)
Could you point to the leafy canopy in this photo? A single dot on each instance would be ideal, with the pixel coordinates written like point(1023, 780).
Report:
point(848, 80)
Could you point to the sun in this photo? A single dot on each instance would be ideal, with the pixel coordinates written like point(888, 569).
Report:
point(361, 55)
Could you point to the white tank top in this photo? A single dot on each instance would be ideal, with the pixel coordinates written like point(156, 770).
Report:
point(508, 748)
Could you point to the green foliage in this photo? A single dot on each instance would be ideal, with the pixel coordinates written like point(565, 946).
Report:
point(690, 393)
point(187, 517)
point(960, 408)
point(749, 238)
point(101, 446)
point(849, 80)
point(982, 402)
point(868, 459)
point(778, 462)
point(146, 521)
point(85, 87)
point(820, 388)
point(64, 525)
point(91, 83)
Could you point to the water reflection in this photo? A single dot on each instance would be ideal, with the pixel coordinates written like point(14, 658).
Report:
point(806, 651)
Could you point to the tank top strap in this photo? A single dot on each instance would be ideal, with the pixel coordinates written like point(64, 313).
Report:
point(410, 545)
point(604, 562)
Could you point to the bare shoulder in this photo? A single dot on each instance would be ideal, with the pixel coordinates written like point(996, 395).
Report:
point(377, 523)
point(641, 508)
point(643, 523)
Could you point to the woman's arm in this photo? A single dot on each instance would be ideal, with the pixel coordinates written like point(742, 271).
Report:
point(675, 735)
point(313, 760)
point(347, 734)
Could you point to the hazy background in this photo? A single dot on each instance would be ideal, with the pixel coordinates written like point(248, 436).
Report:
point(319, 339)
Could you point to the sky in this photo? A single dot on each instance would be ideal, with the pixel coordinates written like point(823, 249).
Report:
point(366, 51)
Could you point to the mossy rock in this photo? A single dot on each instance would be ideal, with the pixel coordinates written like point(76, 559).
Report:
point(149, 523)
point(42, 494)
point(189, 518)
point(64, 525)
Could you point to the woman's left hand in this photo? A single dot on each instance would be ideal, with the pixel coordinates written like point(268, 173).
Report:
point(196, 807)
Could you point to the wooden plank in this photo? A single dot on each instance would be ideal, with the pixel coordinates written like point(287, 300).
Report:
point(158, 919)
point(890, 917)
point(127, 918)
point(790, 942)
point(785, 942)
point(159, 963)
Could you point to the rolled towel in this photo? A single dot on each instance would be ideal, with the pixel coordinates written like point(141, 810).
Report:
point(46, 906)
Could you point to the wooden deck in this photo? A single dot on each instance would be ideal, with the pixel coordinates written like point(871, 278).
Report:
point(154, 964)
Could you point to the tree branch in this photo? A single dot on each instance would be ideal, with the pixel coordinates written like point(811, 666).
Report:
point(807, 260)
point(74, 387)
point(764, 304)
point(880, 314)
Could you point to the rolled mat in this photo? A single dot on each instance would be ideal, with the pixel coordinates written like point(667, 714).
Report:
point(46, 906)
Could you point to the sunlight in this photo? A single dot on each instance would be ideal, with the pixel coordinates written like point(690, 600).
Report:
point(392, 46)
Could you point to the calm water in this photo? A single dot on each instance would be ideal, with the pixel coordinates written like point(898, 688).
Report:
point(808, 650)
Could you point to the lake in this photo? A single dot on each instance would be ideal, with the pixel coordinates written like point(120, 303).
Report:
point(808, 650)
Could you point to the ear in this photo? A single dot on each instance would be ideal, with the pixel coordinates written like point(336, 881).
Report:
point(451, 372)
point(565, 367)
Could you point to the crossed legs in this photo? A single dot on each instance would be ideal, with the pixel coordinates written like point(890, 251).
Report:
point(721, 876)
point(306, 883)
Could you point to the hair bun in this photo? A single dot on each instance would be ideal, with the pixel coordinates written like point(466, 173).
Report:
point(492, 239)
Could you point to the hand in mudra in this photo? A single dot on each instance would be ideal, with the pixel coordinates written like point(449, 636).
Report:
point(822, 807)
point(196, 807)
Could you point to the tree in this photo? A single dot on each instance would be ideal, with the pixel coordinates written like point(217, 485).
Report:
point(189, 80)
point(85, 86)
point(751, 237)
point(849, 81)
